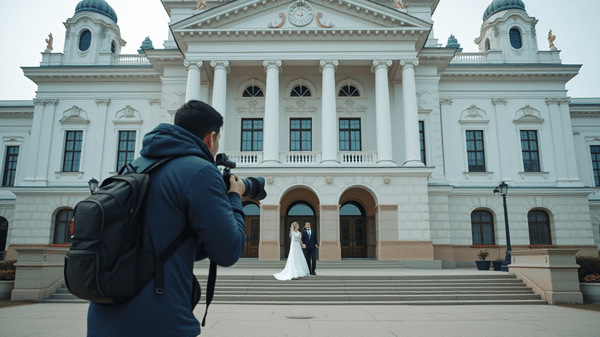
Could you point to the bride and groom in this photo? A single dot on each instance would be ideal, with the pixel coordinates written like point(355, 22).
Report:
point(299, 263)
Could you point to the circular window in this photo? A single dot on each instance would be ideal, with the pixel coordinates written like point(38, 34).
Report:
point(85, 40)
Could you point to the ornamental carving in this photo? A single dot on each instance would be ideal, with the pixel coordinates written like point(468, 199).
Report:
point(269, 63)
point(45, 102)
point(425, 99)
point(558, 101)
point(154, 101)
point(414, 62)
point(324, 63)
point(349, 107)
point(189, 64)
point(251, 107)
point(446, 101)
point(75, 115)
point(387, 180)
point(329, 180)
point(399, 4)
point(128, 115)
point(473, 114)
point(322, 24)
point(270, 180)
point(221, 63)
point(301, 108)
point(497, 101)
point(528, 115)
point(201, 4)
point(280, 24)
point(300, 13)
point(103, 101)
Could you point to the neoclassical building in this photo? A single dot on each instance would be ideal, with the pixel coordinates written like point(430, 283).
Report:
point(389, 142)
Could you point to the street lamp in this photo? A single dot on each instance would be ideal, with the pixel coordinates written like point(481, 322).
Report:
point(502, 190)
point(93, 185)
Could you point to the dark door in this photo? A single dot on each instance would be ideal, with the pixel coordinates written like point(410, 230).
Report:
point(353, 238)
point(252, 236)
point(301, 220)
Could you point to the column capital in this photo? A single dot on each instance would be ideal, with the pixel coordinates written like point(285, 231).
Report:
point(154, 101)
point(551, 101)
point(221, 63)
point(272, 63)
point(566, 101)
point(380, 63)
point(189, 64)
point(497, 101)
point(103, 101)
point(409, 62)
point(446, 101)
point(328, 63)
point(45, 102)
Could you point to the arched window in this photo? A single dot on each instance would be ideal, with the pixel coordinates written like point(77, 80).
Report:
point(351, 209)
point(251, 209)
point(62, 226)
point(300, 91)
point(539, 228)
point(253, 91)
point(482, 224)
point(113, 47)
point(348, 91)
point(515, 38)
point(301, 209)
point(85, 40)
point(3, 235)
point(487, 45)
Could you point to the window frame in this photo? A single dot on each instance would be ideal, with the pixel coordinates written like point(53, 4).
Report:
point(127, 151)
point(422, 142)
point(347, 93)
point(512, 38)
point(252, 132)
point(255, 94)
point(476, 168)
point(65, 151)
point(524, 152)
point(301, 140)
point(537, 224)
point(481, 228)
point(66, 234)
point(10, 173)
point(350, 131)
point(595, 170)
point(306, 92)
point(80, 41)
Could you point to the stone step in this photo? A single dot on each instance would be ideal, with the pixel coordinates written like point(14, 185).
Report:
point(280, 264)
point(376, 303)
point(294, 298)
point(373, 278)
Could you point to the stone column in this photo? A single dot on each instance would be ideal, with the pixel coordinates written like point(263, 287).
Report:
point(567, 129)
point(329, 231)
point(411, 113)
point(219, 99)
point(41, 134)
point(268, 248)
point(102, 104)
point(193, 80)
point(382, 112)
point(504, 144)
point(329, 143)
point(560, 156)
point(388, 245)
point(271, 121)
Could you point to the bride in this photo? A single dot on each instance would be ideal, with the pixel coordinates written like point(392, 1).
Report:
point(296, 263)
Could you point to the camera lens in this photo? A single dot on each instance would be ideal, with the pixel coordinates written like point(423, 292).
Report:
point(255, 188)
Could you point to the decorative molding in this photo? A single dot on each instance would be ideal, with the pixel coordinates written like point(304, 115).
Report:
point(301, 109)
point(329, 180)
point(75, 115)
point(103, 101)
point(387, 180)
point(154, 101)
point(45, 102)
point(270, 63)
point(528, 115)
point(13, 139)
point(407, 62)
point(425, 99)
point(325, 63)
point(188, 64)
point(473, 114)
point(330, 207)
point(496, 31)
point(387, 207)
point(269, 207)
point(497, 101)
point(221, 63)
point(530, 174)
point(128, 115)
point(478, 174)
point(322, 24)
point(349, 107)
point(278, 25)
point(558, 101)
point(270, 180)
point(517, 52)
point(445, 101)
point(252, 107)
point(380, 63)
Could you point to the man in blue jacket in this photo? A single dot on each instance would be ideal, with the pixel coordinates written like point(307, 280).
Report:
point(188, 188)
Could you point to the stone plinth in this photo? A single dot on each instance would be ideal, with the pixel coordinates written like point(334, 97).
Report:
point(40, 271)
point(551, 273)
point(330, 250)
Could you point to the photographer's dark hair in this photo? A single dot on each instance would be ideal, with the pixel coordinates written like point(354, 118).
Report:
point(198, 118)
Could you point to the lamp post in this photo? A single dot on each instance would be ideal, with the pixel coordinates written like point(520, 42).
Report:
point(93, 185)
point(502, 189)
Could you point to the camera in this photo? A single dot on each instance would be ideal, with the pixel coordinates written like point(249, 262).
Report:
point(255, 187)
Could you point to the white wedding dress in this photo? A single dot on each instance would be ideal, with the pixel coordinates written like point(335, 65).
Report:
point(296, 262)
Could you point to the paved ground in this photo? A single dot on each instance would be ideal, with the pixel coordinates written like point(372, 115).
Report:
point(65, 320)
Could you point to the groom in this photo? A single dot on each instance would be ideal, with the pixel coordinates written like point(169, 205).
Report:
point(310, 244)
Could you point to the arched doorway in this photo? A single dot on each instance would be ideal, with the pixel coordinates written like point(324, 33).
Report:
point(301, 212)
point(353, 230)
point(252, 226)
point(3, 234)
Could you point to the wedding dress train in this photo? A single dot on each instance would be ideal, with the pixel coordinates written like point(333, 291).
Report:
point(295, 266)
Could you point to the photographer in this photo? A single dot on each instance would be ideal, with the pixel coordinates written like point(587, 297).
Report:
point(187, 189)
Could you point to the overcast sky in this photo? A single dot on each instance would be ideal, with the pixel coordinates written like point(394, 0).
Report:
point(24, 24)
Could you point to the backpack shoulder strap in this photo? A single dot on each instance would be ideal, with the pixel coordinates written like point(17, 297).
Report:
point(210, 287)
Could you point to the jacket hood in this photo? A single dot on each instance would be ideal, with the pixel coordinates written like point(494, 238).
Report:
point(167, 140)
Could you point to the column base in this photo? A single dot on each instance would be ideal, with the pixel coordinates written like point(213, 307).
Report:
point(388, 163)
point(270, 162)
point(330, 163)
point(413, 163)
point(330, 251)
point(268, 251)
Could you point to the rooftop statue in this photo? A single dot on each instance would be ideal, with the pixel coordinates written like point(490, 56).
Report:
point(49, 41)
point(201, 4)
point(399, 4)
point(551, 39)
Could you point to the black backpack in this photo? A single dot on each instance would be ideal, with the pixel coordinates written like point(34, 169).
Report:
point(107, 263)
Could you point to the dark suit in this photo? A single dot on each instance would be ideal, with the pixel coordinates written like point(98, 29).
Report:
point(310, 252)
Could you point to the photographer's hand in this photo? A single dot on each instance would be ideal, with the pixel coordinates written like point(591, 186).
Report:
point(236, 185)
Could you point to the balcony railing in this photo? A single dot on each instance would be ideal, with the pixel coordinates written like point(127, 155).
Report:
point(469, 58)
point(300, 158)
point(246, 158)
point(131, 59)
point(297, 158)
point(357, 158)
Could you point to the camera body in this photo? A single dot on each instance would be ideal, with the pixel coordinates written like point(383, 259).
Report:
point(255, 187)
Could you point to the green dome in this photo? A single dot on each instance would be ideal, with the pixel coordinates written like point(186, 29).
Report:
point(96, 6)
point(502, 5)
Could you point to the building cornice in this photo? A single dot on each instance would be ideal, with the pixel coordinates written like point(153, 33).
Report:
point(509, 71)
point(91, 73)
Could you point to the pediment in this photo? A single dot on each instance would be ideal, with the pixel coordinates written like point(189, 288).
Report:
point(269, 17)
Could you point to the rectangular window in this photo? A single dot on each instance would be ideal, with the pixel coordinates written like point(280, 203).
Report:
point(72, 154)
point(10, 166)
point(475, 152)
point(531, 155)
point(126, 148)
point(350, 134)
point(252, 134)
point(422, 140)
point(300, 134)
point(596, 163)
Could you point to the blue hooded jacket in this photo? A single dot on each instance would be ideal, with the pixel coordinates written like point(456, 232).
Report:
point(188, 188)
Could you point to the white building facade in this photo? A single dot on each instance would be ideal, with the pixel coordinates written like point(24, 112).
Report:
point(389, 143)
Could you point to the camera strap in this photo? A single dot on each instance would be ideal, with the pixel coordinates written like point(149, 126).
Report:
point(210, 287)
